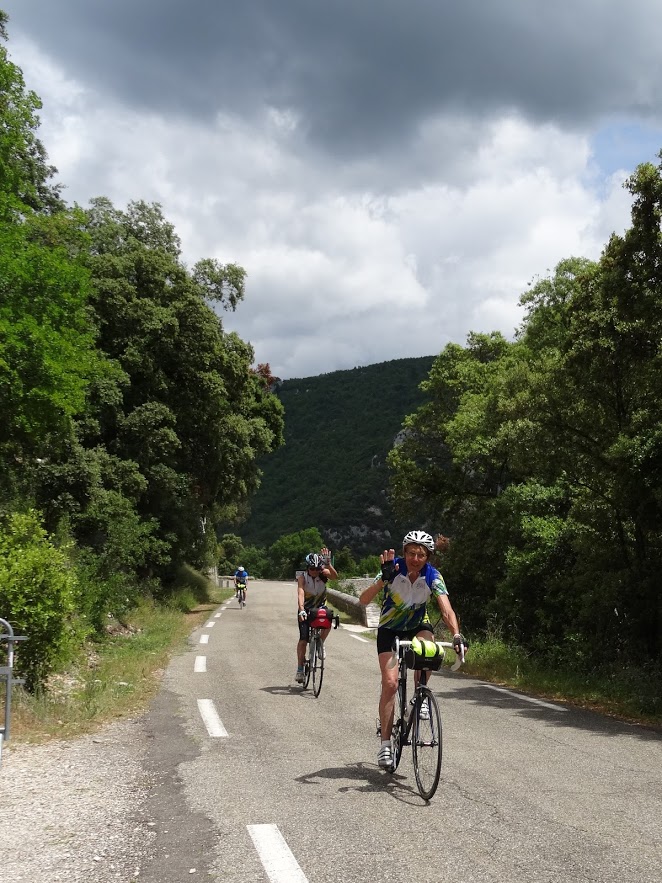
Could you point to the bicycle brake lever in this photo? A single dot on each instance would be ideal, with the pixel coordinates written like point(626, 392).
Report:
point(459, 660)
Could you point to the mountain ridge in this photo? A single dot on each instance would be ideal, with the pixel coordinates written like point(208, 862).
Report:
point(331, 473)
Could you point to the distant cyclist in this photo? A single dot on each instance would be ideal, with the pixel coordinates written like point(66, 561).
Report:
point(408, 583)
point(311, 594)
point(241, 579)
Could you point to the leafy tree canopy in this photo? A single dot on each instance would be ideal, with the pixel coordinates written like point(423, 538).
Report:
point(24, 169)
point(543, 456)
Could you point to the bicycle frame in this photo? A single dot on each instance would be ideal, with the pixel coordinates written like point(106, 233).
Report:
point(402, 727)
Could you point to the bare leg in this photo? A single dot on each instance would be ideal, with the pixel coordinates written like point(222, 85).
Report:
point(389, 689)
point(301, 653)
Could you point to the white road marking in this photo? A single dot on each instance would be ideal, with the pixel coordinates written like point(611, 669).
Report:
point(210, 625)
point(211, 719)
point(216, 615)
point(200, 663)
point(526, 698)
point(275, 855)
point(204, 639)
point(363, 640)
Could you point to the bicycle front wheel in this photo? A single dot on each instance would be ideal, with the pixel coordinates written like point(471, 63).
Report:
point(317, 663)
point(399, 721)
point(426, 742)
point(307, 665)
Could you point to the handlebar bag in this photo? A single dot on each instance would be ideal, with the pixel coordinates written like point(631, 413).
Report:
point(424, 654)
point(320, 618)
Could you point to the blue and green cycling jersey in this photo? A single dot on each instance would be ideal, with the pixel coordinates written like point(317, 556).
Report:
point(405, 603)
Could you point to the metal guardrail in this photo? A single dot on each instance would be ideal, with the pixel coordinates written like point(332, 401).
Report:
point(7, 641)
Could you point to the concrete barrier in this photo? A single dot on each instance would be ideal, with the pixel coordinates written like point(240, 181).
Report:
point(367, 614)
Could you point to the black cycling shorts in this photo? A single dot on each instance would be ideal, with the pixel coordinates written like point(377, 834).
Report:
point(386, 637)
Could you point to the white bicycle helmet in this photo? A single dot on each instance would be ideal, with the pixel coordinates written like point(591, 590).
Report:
point(314, 561)
point(420, 538)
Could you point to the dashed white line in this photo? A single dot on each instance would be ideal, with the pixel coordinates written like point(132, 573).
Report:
point(275, 855)
point(211, 719)
point(210, 625)
point(204, 639)
point(200, 663)
point(356, 638)
point(216, 615)
point(525, 698)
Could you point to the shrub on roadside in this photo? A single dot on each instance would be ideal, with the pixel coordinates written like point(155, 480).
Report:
point(188, 589)
point(38, 593)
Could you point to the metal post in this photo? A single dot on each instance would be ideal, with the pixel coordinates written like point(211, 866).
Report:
point(8, 637)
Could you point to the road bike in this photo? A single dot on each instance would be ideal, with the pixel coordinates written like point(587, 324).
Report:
point(241, 594)
point(419, 723)
point(313, 666)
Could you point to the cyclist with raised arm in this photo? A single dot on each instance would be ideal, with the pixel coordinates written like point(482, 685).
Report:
point(311, 594)
point(241, 578)
point(408, 583)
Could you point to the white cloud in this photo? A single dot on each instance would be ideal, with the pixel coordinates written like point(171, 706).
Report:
point(340, 275)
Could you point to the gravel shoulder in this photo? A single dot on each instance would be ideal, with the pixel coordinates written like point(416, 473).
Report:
point(75, 810)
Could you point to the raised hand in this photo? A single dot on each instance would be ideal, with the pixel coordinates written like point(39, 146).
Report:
point(389, 569)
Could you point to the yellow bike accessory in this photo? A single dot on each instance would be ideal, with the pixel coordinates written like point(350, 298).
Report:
point(428, 649)
point(424, 654)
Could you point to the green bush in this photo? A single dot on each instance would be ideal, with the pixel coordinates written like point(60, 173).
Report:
point(187, 590)
point(37, 595)
point(102, 597)
point(195, 583)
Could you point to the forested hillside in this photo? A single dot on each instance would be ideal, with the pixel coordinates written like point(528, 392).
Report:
point(332, 473)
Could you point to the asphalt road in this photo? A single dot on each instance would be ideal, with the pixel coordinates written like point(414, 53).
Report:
point(289, 791)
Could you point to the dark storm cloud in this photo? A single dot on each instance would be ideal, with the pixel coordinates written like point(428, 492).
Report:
point(357, 73)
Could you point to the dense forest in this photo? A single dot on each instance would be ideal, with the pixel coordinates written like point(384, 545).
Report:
point(542, 457)
point(331, 472)
point(132, 423)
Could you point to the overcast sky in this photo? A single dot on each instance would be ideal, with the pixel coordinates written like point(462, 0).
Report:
point(391, 175)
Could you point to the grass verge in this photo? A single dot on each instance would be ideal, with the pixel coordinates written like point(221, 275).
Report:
point(628, 693)
point(115, 677)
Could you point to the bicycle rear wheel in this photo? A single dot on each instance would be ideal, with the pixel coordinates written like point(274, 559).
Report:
point(317, 663)
point(426, 742)
point(399, 722)
point(242, 597)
